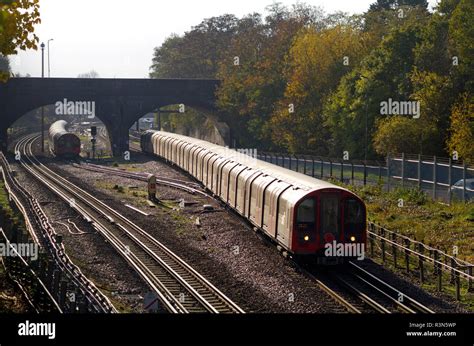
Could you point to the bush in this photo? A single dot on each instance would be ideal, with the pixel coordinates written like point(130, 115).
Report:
point(410, 195)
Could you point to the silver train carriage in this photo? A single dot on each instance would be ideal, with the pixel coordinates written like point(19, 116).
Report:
point(301, 214)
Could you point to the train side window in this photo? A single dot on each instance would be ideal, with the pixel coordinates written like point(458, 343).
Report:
point(306, 212)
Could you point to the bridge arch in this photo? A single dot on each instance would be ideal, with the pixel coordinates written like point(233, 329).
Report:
point(118, 103)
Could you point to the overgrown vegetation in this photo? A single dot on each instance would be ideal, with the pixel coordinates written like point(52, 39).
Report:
point(11, 299)
point(419, 217)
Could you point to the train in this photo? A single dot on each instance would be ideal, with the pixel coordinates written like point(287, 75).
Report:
point(305, 217)
point(63, 143)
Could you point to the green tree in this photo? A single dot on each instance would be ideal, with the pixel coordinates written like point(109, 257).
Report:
point(17, 18)
point(384, 73)
point(399, 134)
point(251, 89)
point(461, 33)
point(196, 54)
point(316, 62)
point(462, 127)
point(4, 65)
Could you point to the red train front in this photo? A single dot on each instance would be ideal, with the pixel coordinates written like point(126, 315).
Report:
point(331, 224)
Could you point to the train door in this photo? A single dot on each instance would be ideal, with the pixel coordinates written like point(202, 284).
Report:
point(330, 223)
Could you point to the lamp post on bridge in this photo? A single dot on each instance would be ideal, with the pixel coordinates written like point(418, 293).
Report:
point(49, 65)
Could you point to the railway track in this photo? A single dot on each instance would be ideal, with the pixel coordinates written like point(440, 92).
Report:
point(191, 188)
point(359, 291)
point(44, 235)
point(178, 287)
point(375, 294)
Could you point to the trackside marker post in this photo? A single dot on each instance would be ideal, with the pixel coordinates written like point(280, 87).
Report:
point(151, 187)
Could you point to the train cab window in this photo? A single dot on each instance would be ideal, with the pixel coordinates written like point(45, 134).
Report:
point(306, 212)
point(354, 220)
point(354, 213)
point(305, 221)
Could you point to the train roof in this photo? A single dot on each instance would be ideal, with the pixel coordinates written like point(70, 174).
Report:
point(296, 179)
point(58, 127)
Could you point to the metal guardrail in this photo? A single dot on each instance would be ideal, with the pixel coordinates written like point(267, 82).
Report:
point(395, 245)
point(61, 275)
point(33, 287)
point(436, 177)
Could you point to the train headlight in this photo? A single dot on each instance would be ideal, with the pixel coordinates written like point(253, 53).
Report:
point(306, 238)
point(353, 238)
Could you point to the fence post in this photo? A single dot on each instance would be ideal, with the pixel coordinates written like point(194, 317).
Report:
point(394, 249)
point(342, 171)
point(388, 173)
point(403, 170)
point(453, 272)
point(382, 244)
point(312, 170)
point(450, 179)
point(420, 262)
point(322, 168)
point(464, 181)
point(372, 240)
point(435, 178)
point(330, 168)
point(365, 172)
point(419, 171)
point(380, 171)
point(407, 254)
point(458, 286)
point(438, 270)
point(62, 293)
point(304, 161)
point(352, 171)
point(289, 158)
point(469, 283)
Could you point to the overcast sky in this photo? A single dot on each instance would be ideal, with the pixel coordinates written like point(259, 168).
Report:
point(116, 37)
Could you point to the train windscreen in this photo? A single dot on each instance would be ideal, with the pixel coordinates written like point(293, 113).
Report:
point(306, 220)
point(354, 219)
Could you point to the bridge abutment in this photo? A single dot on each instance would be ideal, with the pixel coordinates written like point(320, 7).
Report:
point(3, 139)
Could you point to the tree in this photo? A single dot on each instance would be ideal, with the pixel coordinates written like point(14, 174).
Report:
point(384, 73)
point(196, 54)
point(4, 65)
point(400, 134)
point(461, 32)
point(392, 4)
point(17, 18)
point(462, 127)
point(90, 74)
point(251, 89)
point(316, 62)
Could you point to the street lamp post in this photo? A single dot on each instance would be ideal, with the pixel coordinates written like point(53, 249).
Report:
point(49, 65)
point(42, 108)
